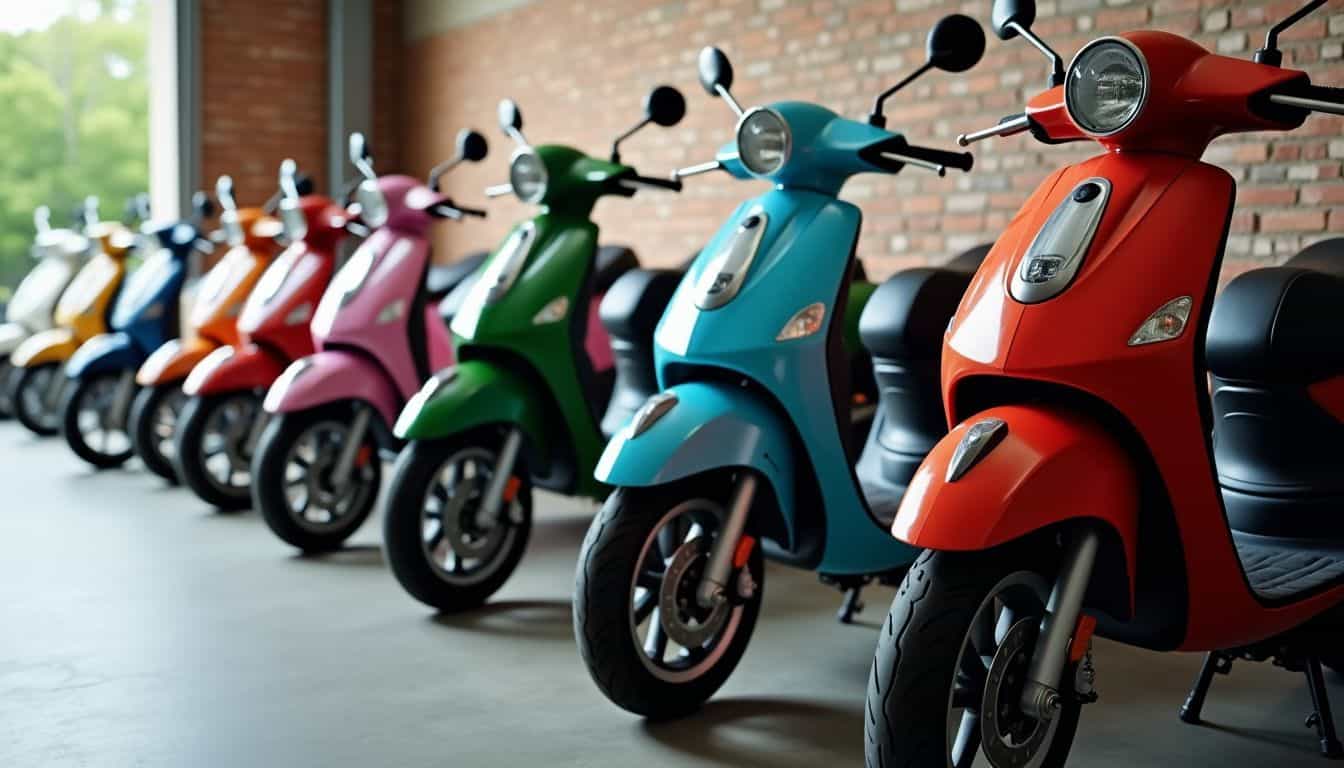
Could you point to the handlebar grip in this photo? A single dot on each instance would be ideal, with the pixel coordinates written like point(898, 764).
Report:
point(477, 212)
point(960, 160)
point(672, 184)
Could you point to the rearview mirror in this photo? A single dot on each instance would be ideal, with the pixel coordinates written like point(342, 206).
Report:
point(955, 44)
point(715, 71)
point(1010, 17)
point(201, 205)
point(511, 120)
point(471, 146)
point(224, 191)
point(359, 148)
point(42, 218)
point(665, 106)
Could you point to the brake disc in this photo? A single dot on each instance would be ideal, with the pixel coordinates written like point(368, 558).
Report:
point(685, 621)
point(1011, 738)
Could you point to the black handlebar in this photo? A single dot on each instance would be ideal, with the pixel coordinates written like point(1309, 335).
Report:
point(453, 211)
point(962, 161)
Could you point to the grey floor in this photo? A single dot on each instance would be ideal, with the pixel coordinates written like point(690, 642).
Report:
point(138, 628)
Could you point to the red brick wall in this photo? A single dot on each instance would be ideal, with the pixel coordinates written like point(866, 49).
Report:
point(579, 71)
point(263, 92)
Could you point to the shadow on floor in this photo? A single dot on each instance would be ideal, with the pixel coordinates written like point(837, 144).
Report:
point(768, 732)
point(535, 619)
point(351, 554)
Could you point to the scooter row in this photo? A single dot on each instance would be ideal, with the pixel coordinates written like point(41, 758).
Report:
point(1125, 458)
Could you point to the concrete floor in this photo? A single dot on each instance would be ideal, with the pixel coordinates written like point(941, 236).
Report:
point(138, 628)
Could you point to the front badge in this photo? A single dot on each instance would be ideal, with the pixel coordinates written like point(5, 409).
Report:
point(979, 439)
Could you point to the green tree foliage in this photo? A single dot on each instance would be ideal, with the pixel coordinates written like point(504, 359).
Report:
point(74, 120)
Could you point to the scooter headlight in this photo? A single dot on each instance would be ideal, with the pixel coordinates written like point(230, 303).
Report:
point(763, 141)
point(372, 204)
point(1107, 86)
point(527, 176)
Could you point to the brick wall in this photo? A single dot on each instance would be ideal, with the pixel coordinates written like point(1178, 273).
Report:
point(579, 71)
point(263, 92)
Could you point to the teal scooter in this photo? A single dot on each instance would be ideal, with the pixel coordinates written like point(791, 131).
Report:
point(749, 449)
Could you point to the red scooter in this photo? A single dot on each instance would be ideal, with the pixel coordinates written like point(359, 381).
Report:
point(1091, 482)
point(222, 418)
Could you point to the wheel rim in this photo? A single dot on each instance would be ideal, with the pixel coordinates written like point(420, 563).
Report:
point(163, 422)
point(989, 673)
point(40, 396)
point(225, 453)
point(96, 421)
point(314, 502)
point(460, 549)
point(663, 608)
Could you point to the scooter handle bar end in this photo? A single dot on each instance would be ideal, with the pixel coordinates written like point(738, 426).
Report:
point(1008, 126)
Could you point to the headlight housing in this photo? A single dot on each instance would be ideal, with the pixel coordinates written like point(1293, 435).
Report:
point(1107, 86)
point(233, 230)
point(372, 204)
point(527, 176)
point(295, 223)
point(763, 141)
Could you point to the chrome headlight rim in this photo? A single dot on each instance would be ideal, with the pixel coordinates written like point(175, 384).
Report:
point(1070, 78)
point(372, 203)
point(542, 185)
point(743, 156)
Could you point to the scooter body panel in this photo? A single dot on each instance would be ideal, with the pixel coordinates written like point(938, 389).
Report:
point(51, 346)
point(810, 234)
point(11, 336)
point(85, 306)
point(334, 376)
point(371, 300)
point(557, 268)
point(233, 369)
point(174, 360)
point(115, 351)
point(1145, 253)
point(278, 310)
point(711, 426)
point(147, 309)
point(33, 305)
point(471, 394)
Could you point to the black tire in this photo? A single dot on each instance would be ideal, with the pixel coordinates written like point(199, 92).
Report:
point(411, 558)
point(916, 662)
point(605, 590)
point(28, 392)
point(7, 375)
point(153, 424)
point(269, 475)
point(228, 495)
point(75, 402)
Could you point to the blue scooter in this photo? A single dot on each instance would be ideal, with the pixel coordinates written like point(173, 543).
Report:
point(100, 376)
point(749, 451)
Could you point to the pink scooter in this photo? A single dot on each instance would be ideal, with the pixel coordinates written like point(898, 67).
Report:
point(316, 470)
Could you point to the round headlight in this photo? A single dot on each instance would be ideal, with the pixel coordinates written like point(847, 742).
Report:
point(763, 141)
point(1106, 86)
point(372, 204)
point(527, 176)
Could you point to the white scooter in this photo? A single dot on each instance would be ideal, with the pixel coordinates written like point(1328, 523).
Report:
point(32, 308)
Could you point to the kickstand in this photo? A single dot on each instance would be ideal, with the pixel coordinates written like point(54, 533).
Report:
point(1321, 719)
point(1215, 663)
point(851, 605)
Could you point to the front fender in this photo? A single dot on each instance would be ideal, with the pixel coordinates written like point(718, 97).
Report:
point(234, 369)
point(105, 352)
point(711, 426)
point(1050, 466)
point(471, 394)
point(173, 360)
point(11, 336)
point(52, 346)
point(333, 376)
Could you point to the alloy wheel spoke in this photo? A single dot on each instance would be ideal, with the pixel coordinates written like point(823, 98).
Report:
point(655, 643)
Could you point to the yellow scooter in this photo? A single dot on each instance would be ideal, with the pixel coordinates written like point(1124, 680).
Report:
point(83, 312)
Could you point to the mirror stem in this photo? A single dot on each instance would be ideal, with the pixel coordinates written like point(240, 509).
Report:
point(727, 96)
point(616, 145)
point(1270, 53)
point(1056, 63)
point(877, 119)
point(439, 170)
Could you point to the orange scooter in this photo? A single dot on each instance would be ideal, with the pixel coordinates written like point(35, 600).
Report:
point(251, 234)
point(83, 311)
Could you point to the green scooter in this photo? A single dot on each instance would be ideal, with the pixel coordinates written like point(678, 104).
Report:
point(535, 375)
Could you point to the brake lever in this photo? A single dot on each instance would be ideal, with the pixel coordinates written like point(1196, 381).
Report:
point(696, 170)
point(499, 190)
point(941, 170)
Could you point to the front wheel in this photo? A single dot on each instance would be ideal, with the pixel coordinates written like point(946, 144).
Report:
point(648, 643)
point(214, 446)
point(437, 545)
point(949, 668)
point(93, 417)
point(36, 394)
point(293, 482)
point(7, 374)
point(154, 416)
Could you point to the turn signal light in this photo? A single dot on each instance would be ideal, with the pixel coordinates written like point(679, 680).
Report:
point(1167, 323)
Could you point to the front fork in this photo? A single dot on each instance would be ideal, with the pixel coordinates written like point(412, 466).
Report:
point(1040, 695)
point(713, 588)
point(345, 462)
point(121, 400)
